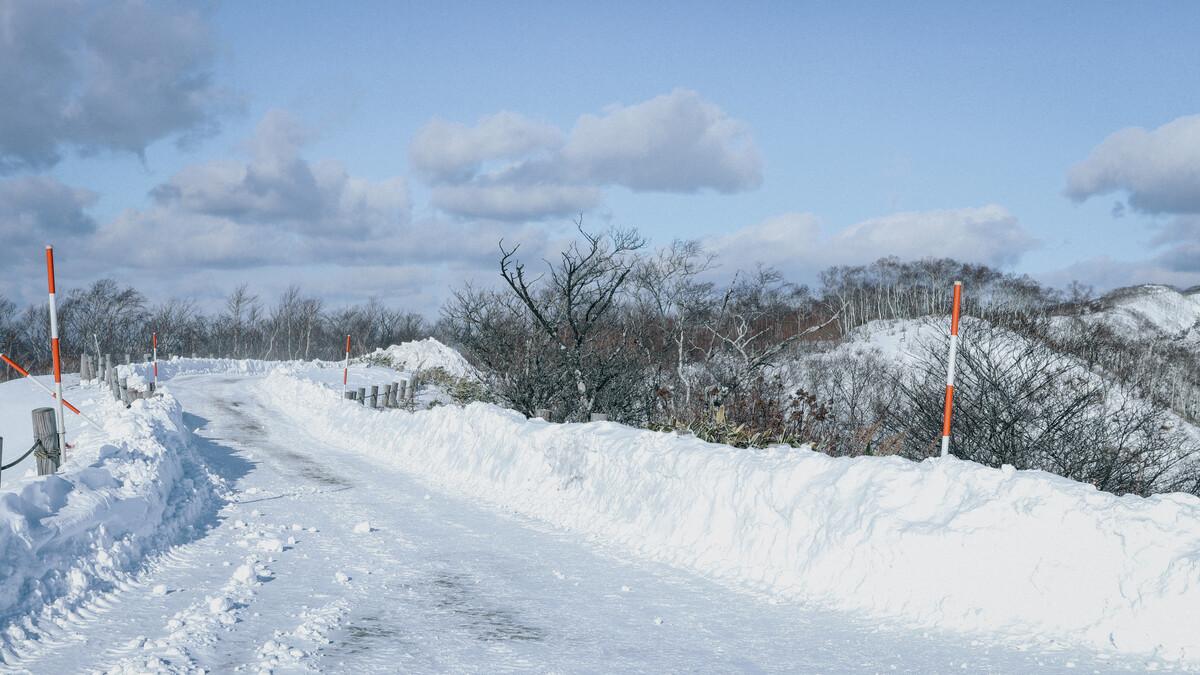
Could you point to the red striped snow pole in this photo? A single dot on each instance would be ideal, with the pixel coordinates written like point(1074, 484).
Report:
point(154, 356)
point(62, 424)
point(950, 369)
point(25, 373)
point(346, 368)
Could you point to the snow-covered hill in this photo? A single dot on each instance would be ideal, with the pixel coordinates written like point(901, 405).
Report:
point(1148, 311)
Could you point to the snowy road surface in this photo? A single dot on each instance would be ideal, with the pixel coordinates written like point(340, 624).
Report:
point(321, 559)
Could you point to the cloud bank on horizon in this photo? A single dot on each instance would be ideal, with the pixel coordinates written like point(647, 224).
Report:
point(107, 81)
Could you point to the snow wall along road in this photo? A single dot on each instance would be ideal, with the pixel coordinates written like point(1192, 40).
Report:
point(123, 494)
point(942, 543)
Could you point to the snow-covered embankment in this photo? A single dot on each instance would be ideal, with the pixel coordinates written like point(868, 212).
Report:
point(122, 494)
point(943, 543)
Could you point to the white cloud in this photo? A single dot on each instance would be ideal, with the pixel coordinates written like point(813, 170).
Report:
point(986, 234)
point(280, 189)
point(677, 142)
point(509, 167)
point(450, 151)
point(514, 202)
point(796, 243)
point(1160, 169)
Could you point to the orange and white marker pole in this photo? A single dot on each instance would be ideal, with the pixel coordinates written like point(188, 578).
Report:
point(25, 373)
point(154, 356)
point(950, 369)
point(346, 368)
point(62, 425)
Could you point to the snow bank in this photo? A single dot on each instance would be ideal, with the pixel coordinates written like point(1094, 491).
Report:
point(133, 490)
point(422, 355)
point(187, 366)
point(941, 543)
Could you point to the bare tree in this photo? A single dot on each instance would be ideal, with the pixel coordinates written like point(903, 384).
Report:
point(571, 306)
point(240, 305)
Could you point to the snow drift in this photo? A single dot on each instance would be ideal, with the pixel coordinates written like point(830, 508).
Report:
point(423, 355)
point(943, 542)
point(122, 495)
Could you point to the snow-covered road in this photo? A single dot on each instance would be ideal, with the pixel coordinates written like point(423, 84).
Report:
point(290, 578)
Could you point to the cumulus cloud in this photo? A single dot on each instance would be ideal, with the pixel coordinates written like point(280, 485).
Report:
point(796, 242)
point(509, 167)
point(677, 142)
point(38, 207)
point(278, 188)
point(1159, 169)
point(274, 207)
point(450, 151)
point(102, 76)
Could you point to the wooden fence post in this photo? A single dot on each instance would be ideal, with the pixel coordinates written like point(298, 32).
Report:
point(387, 396)
point(542, 413)
point(45, 430)
point(123, 389)
point(395, 394)
point(348, 395)
point(362, 395)
point(374, 396)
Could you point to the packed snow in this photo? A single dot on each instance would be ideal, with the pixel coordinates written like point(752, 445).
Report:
point(296, 525)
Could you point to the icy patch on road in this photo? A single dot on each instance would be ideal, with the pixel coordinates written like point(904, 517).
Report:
point(942, 543)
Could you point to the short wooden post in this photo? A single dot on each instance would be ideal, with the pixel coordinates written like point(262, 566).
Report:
point(403, 392)
point(542, 413)
point(128, 358)
point(412, 388)
point(362, 395)
point(599, 417)
point(45, 430)
point(395, 394)
point(123, 390)
point(374, 396)
point(387, 396)
point(348, 395)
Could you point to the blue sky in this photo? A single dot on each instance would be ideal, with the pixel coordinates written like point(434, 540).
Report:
point(842, 132)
